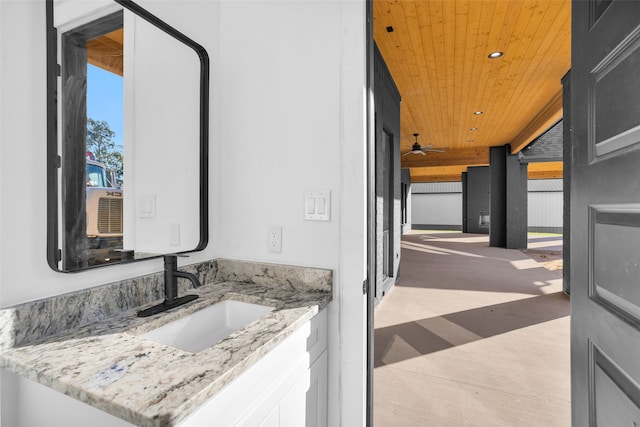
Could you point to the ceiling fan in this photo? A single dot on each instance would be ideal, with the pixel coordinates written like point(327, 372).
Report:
point(417, 149)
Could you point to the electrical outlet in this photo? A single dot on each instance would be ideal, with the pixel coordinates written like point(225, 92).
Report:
point(274, 239)
point(174, 234)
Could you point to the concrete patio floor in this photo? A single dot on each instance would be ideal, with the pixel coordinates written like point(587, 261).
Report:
point(472, 336)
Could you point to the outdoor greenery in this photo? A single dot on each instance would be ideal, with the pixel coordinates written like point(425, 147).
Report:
point(101, 143)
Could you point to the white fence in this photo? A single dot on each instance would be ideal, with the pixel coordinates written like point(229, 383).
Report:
point(438, 205)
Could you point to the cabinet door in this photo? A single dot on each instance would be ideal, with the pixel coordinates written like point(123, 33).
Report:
point(273, 419)
point(33, 404)
point(317, 393)
point(279, 390)
point(306, 403)
point(294, 406)
point(267, 410)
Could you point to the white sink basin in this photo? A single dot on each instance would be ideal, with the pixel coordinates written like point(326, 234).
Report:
point(203, 328)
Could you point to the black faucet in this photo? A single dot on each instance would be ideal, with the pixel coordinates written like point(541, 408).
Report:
point(171, 299)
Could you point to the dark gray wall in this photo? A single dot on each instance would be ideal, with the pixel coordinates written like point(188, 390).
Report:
point(405, 200)
point(465, 212)
point(498, 162)
point(566, 187)
point(508, 199)
point(387, 121)
point(476, 199)
point(517, 201)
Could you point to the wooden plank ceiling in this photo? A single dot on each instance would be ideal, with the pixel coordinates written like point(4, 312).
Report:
point(437, 52)
point(107, 51)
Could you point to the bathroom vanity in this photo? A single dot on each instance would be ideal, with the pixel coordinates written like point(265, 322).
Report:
point(86, 359)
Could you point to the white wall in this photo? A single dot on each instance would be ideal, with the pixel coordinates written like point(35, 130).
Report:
point(289, 94)
point(287, 111)
point(545, 209)
point(436, 209)
point(303, 86)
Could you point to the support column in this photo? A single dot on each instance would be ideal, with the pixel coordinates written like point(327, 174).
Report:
point(517, 198)
point(465, 214)
point(477, 199)
point(405, 200)
point(508, 199)
point(498, 165)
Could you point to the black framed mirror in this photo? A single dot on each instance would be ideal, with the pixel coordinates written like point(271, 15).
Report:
point(127, 136)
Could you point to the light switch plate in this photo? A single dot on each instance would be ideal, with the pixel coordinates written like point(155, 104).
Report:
point(147, 206)
point(317, 205)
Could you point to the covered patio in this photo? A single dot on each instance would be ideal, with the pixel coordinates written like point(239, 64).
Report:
point(473, 335)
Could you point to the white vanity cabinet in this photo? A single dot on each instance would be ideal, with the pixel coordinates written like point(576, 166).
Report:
point(287, 387)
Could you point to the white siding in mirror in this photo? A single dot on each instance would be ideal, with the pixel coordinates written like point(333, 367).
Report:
point(162, 139)
point(70, 14)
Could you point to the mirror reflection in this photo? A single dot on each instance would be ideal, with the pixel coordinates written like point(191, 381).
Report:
point(104, 156)
point(131, 110)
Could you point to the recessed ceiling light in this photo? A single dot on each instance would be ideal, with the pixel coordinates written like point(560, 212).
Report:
point(469, 140)
point(473, 129)
point(478, 113)
point(496, 54)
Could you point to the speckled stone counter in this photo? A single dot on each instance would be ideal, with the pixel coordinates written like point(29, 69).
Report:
point(86, 344)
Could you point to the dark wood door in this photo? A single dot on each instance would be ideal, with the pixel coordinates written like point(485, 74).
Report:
point(605, 209)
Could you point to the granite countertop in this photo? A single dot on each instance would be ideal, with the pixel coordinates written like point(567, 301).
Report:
point(109, 366)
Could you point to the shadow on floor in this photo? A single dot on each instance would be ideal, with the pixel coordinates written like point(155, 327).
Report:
point(457, 261)
point(434, 334)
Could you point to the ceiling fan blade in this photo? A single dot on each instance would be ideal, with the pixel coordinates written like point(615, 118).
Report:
point(422, 153)
point(407, 153)
point(433, 150)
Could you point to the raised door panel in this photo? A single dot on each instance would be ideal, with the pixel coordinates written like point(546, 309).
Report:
point(294, 406)
point(273, 419)
point(317, 393)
